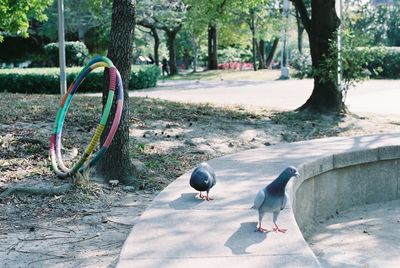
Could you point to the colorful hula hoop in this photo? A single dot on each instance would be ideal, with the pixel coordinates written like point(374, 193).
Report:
point(55, 140)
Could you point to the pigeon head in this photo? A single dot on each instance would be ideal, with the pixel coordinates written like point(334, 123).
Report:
point(290, 172)
point(279, 184)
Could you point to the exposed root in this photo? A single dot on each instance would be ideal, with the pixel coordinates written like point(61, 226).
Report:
point(35, 190)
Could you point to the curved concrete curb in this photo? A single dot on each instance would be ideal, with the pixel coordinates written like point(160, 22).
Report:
point(178, 230)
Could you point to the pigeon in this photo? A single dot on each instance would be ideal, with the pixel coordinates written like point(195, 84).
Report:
point(273, 198)
point(203, 179)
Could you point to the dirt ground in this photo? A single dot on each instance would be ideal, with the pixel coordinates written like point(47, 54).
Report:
point(87, 225)
point(366, 236)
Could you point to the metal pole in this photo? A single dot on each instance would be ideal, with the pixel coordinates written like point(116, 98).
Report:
point(61, 47)
point(285, 14)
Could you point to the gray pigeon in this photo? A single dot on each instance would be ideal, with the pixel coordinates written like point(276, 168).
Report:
point(203, 179)
point(273, 198)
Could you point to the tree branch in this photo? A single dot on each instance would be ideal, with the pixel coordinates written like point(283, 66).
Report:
point(305, 18)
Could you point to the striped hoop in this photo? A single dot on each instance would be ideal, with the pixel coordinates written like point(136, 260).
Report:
point(55, 140)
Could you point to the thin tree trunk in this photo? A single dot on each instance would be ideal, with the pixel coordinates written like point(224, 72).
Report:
point(261, 54)
point(300, 31)
point(253, 39)
point(171, 38)
point(195, 52)
point(325, 98)
point(156, 37)
point(116, 163)
point(271, 53)
point(212, 48)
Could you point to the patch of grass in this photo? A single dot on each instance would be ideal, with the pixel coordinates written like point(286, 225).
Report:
point(155, 109)
point(304, 126)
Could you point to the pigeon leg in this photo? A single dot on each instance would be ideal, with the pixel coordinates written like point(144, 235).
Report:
point(261, 230)
point(277, 229)
point(205, 197)
point(208, 198)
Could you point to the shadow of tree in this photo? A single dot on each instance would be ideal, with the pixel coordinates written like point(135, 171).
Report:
point(304, 126)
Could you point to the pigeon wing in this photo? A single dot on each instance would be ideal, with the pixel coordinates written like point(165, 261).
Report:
point(259, 199)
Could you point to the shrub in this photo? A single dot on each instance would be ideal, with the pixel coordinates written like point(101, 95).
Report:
point(46, 80)
point(383, 62)
point(75, 53)
point(377, 62)
point(301, 62)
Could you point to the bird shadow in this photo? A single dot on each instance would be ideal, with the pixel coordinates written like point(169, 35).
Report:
point(186, 201)
point(244, 237)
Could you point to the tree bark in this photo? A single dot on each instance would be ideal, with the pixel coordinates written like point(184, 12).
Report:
point(321, 29)
point(171, 38)
point(300, 31)
point(212, 48)
point(195, 52)
point(271, 53)
point(156, 37)
point(116, 163)
point(253, 39)
point(261, 54)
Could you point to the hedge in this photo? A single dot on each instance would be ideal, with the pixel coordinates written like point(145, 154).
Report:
point(46, 80)
point(380, 62)
point(383, 62)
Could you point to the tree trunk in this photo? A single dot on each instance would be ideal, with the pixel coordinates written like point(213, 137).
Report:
point(171, 38)
point(156, 37)
point(116, 163)
point(253, 39)
point(212, 48)
point(271, 53)
point(300, 31)
point(325, 98)
point(195, 52)
point(261, 54)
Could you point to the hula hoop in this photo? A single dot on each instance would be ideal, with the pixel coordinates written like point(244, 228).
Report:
point(55, 140)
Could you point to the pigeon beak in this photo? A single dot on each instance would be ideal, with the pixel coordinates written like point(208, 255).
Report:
point(297, 174)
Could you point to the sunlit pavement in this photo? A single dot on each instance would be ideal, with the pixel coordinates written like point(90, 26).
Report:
point(373, 96)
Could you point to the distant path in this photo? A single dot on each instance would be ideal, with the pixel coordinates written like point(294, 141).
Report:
point(374, 96)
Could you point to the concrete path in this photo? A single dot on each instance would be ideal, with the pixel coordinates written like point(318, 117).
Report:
point(374, 96)
point(179, 230)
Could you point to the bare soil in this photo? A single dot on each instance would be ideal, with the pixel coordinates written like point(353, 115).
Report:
point(87, 225)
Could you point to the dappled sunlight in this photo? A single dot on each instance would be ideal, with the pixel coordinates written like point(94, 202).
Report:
point(366, 235)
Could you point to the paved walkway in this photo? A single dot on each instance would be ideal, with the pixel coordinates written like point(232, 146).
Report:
point(374, 96)
point(179, 230)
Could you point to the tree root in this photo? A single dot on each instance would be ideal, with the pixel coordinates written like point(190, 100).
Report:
point(31, 190)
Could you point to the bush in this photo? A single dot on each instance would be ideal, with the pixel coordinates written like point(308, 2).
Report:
point(75, 53)
point(383, 62)
point(378, 62)
point(46, 80)
point(301, 62)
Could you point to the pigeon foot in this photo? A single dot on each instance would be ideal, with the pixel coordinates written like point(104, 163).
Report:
point(261, 230)
point(205, 197)
point(277, 229)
